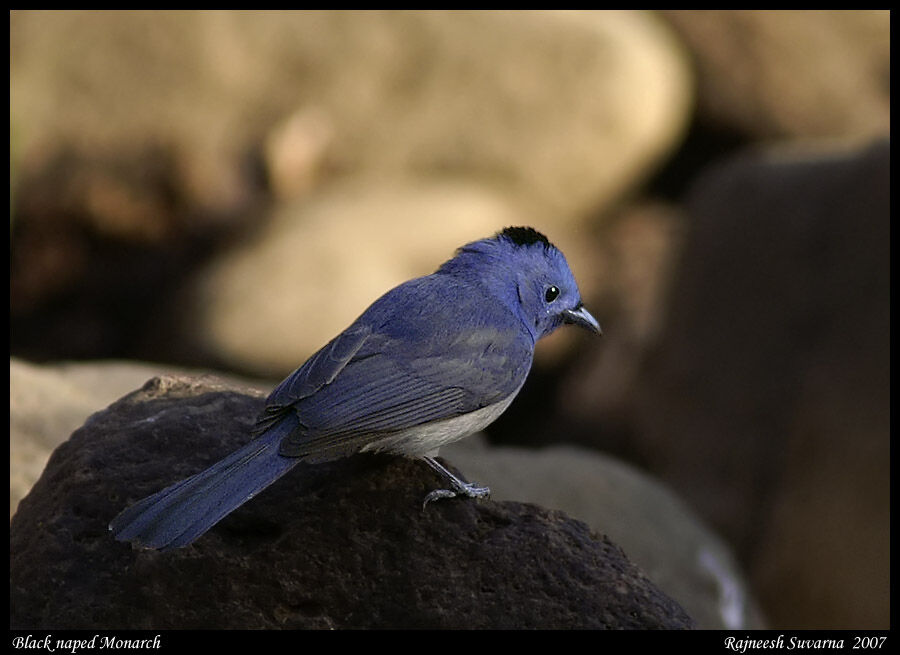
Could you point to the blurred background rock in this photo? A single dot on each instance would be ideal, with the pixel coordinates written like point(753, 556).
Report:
point(227, 190)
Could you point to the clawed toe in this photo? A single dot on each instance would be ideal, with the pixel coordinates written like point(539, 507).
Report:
point(468, 489)
point(460, 488)
point(437, 494)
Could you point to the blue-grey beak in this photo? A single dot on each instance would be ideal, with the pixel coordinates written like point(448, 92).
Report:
point(581, 316)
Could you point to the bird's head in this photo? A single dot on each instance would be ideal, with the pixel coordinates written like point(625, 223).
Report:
point(524, 270)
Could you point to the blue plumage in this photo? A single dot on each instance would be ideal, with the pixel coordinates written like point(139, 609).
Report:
point(433, 360)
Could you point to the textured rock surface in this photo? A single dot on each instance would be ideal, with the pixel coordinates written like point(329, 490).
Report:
point(338, 545)
point(658, 531)
point(48, 402)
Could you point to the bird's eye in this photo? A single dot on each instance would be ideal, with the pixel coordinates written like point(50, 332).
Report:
point(552, 293)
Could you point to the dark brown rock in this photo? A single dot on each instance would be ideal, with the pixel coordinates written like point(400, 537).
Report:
point(766, 402)
point(341, 545)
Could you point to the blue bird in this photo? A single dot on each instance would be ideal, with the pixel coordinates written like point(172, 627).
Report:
point(432, 361)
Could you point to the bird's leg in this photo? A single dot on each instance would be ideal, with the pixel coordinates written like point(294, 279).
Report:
point(459, 487)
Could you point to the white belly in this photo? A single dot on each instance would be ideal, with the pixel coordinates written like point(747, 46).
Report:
point(426, 439)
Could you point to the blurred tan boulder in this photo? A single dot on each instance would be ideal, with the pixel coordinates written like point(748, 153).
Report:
point(798, 73)
point(317, 264)
point(565, 108)
point(387, 139)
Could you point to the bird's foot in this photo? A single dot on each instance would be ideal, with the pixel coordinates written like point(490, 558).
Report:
point(459, 487)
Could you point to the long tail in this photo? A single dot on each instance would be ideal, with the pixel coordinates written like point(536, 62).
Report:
point(178, 514)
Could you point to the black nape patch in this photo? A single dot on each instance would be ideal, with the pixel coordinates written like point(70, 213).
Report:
point(525, 236)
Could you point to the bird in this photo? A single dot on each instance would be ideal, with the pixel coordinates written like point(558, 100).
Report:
point(433, 360)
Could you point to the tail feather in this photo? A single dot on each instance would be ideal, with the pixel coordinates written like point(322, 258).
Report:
point(182, 512)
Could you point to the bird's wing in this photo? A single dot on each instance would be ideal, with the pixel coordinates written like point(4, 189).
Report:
point(440, 361)
point(316, 372)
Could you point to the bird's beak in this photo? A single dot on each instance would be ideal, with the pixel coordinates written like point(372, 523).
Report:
point(581, 316)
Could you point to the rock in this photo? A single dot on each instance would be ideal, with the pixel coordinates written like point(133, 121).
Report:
point(295, 153)
point(342, 545)
point(422, 90)
point(520, 112)
point(633, 265)
point(791, 73)
point(317, 265)
point(766, 401)
point(48, 402)
point(97, 242)
point(661, 535)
